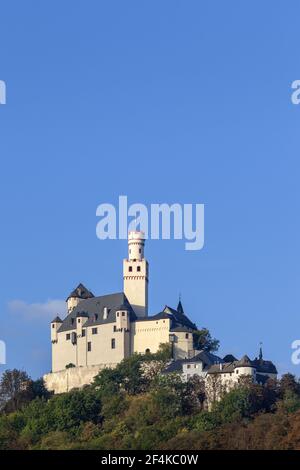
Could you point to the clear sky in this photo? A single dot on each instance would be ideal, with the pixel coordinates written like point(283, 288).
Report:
point(162, 101)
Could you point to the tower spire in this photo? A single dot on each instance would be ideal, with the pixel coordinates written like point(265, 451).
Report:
point(260, 352)
point(179, 306)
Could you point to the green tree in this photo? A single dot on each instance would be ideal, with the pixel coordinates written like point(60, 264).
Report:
point(14, 390)
point(203, 340)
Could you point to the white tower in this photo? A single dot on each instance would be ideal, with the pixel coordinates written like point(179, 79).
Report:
point(135, 274)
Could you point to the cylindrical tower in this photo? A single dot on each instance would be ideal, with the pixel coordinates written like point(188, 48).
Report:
point(136, 244)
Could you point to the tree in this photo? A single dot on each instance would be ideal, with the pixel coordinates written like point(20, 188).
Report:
point(14, 390)
point(203, 340)
point(287, 384)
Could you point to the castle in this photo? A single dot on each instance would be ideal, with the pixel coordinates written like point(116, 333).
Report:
point(99, 332)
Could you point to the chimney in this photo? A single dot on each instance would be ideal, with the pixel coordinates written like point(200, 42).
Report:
point(105, 313)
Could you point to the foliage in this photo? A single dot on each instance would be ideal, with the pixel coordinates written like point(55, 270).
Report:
point(130, 408)
point(203, 340)
point(17, 389)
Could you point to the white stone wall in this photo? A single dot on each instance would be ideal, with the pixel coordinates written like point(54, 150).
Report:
point(183, 346)
point(149, 335)
point(75, 377)
point(64, 352)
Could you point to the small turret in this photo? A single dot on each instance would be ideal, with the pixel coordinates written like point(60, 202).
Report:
point(77, 295)
point(55, 324)
point(122, 318)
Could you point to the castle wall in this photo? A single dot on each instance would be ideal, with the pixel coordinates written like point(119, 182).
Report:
point(64, 352)
point(75, 377)
point(149, 335)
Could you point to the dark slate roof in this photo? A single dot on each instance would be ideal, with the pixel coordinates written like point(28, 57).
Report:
point(174, 366)
point(266, 367)
point(261, 366)
point(179, 318)
point(179, 321)
point(226, 368)
point(205, 357)
point(183, 329)
point(57, 320)
point(93, 308)
point(180, 307)
point(244, 362)
point(81, 292)
point(229, 358)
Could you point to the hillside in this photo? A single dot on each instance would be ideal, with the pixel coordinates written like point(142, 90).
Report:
point(134, 407)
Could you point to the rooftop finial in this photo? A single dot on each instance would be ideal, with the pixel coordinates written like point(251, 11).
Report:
point(260, 352)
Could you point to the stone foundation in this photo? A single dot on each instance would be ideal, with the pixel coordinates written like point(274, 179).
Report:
point(74, 377)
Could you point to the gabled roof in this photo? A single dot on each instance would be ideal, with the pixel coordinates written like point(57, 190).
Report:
point(81, 292)
point(179, 318)
point(179, 321)
point(93, 309)
point(229, 358)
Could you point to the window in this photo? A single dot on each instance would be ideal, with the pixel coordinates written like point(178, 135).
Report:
point(82, 333)
point(147, 351)
point(140, 250)
point(186, 336)
point(188, 366)
point(113, 343)
point(53, 326)
point(138, 268)
point(123, 314)
point(130, 269)
point(115, 328)
point(78, 321)
point(68, 336)
point(94, 331)
point(236, 371)
point(89, 346)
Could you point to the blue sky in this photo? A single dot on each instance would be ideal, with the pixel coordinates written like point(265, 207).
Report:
point(162, 101)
